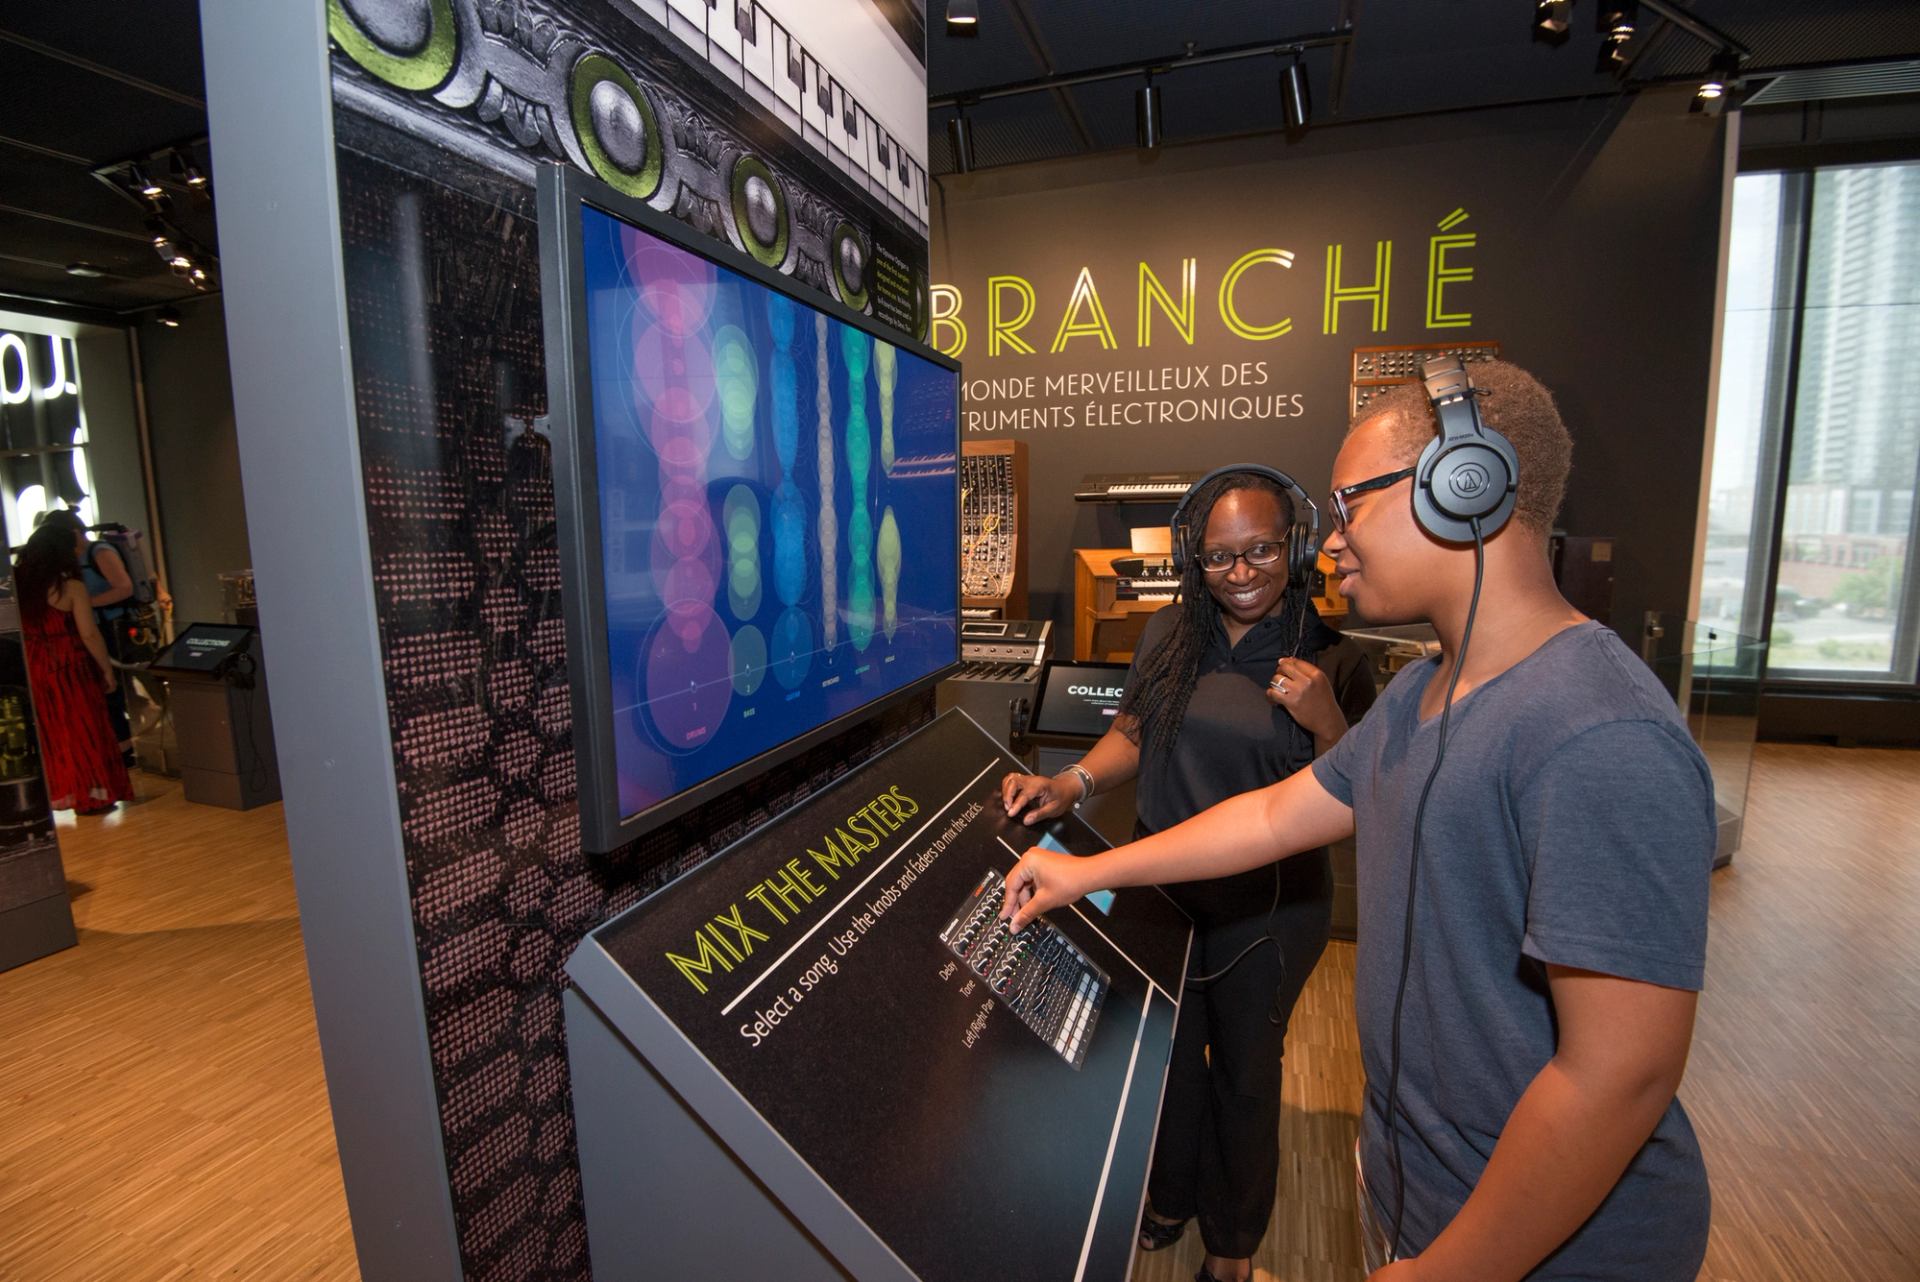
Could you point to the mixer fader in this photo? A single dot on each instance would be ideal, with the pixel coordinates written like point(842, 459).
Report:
point(1039, 974)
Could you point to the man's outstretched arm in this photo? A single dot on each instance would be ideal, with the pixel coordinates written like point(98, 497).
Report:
point(1241, 832)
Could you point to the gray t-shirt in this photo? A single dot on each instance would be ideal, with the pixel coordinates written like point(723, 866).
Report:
point(1573, 824)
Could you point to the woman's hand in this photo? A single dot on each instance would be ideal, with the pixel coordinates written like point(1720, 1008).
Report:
point(109, 679)
point(1036, 798)
point(1042, 880)
point(1304, 691)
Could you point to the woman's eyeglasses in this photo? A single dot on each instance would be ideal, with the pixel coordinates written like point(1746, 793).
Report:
point(1338, 500)
point(1219, 560)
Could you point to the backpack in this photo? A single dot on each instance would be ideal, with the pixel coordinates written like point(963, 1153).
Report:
point(132, 547)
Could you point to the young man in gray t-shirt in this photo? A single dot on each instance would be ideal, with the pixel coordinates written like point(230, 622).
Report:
point(1559, 914)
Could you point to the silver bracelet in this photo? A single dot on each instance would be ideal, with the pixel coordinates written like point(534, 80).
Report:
point(1086, 781)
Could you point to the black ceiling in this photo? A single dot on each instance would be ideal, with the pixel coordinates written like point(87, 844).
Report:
point(1404, 57)
point(86, 84)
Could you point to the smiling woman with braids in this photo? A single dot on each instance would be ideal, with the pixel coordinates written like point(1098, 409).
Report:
point(1235, 686)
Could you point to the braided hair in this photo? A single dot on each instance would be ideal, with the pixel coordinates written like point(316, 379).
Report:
point(1157, 699)
point(43, 566)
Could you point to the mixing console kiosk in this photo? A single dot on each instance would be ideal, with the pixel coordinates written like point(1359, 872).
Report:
point(1038, 973)
point(1376, 368)
point(993, 524)
point(804, 1050)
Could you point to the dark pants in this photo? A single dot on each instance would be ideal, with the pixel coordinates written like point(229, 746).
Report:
point(114, 632)
point(1217, 1154)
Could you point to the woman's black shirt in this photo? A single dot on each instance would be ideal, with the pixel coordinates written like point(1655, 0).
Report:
point(1232, 740)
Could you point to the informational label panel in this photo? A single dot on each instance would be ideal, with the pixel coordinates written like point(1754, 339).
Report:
point(984, 1104)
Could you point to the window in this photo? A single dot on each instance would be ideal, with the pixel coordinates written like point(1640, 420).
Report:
point(1817, 445)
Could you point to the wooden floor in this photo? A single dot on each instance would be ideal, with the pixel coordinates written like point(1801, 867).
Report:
point(162, 1109)
point(163, 1116)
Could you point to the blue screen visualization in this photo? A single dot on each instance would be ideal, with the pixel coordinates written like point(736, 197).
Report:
point(778, 511)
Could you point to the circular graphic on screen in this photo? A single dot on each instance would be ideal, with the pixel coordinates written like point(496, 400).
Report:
point(792, 648)
point(760, 211)
point(675, 373)
point(849, 255)
point(688, 679)
point(736, 379)
point(617, 128)
point(749, 660)
point(740, 519)
point(676, 289)
point(789, 543)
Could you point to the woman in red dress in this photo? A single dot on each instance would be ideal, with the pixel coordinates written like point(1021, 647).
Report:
point(68, 667)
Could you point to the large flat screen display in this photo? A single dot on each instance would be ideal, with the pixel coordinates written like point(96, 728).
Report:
point(765, 513)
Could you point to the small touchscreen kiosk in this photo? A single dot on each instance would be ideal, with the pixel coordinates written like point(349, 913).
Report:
point(1078, 703)
point(217, 691)
point(211, 648)
point(1079, 698)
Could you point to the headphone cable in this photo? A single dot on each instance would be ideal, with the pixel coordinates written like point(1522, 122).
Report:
point(1413, 881)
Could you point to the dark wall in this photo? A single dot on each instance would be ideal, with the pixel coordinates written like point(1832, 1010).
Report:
point(1595, 228)
point(196, 456)
point(113, 433)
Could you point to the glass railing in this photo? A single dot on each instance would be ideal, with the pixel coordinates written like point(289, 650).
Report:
point(1711, 673)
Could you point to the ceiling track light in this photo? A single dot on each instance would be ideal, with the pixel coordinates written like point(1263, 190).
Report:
point(142, 183)
point(1617, 19)
point(963, 17)
point(1552, 17)
point(960, 140)
point(1295, 99)
point(185, 170)
point(1148, 124)
point(1617, 22)
point(1723, 69)
point(169, 316)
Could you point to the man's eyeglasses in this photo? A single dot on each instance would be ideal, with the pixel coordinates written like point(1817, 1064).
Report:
point(1338, 500)
point(1219, 560)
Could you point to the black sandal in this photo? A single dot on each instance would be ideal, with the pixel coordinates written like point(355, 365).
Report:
point(1156, 1235)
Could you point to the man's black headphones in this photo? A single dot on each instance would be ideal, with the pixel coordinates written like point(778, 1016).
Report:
point(1467, 473)
point(1303, 534)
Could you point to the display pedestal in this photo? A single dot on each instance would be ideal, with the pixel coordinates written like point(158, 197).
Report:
point(223, 724)
point(35, 917)
point(785, 1064)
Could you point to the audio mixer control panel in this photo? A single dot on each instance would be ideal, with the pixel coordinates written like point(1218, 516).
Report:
point(1041, 977)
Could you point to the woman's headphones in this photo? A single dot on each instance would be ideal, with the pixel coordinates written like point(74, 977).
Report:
point(1303, 536)
point(1469, 472)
